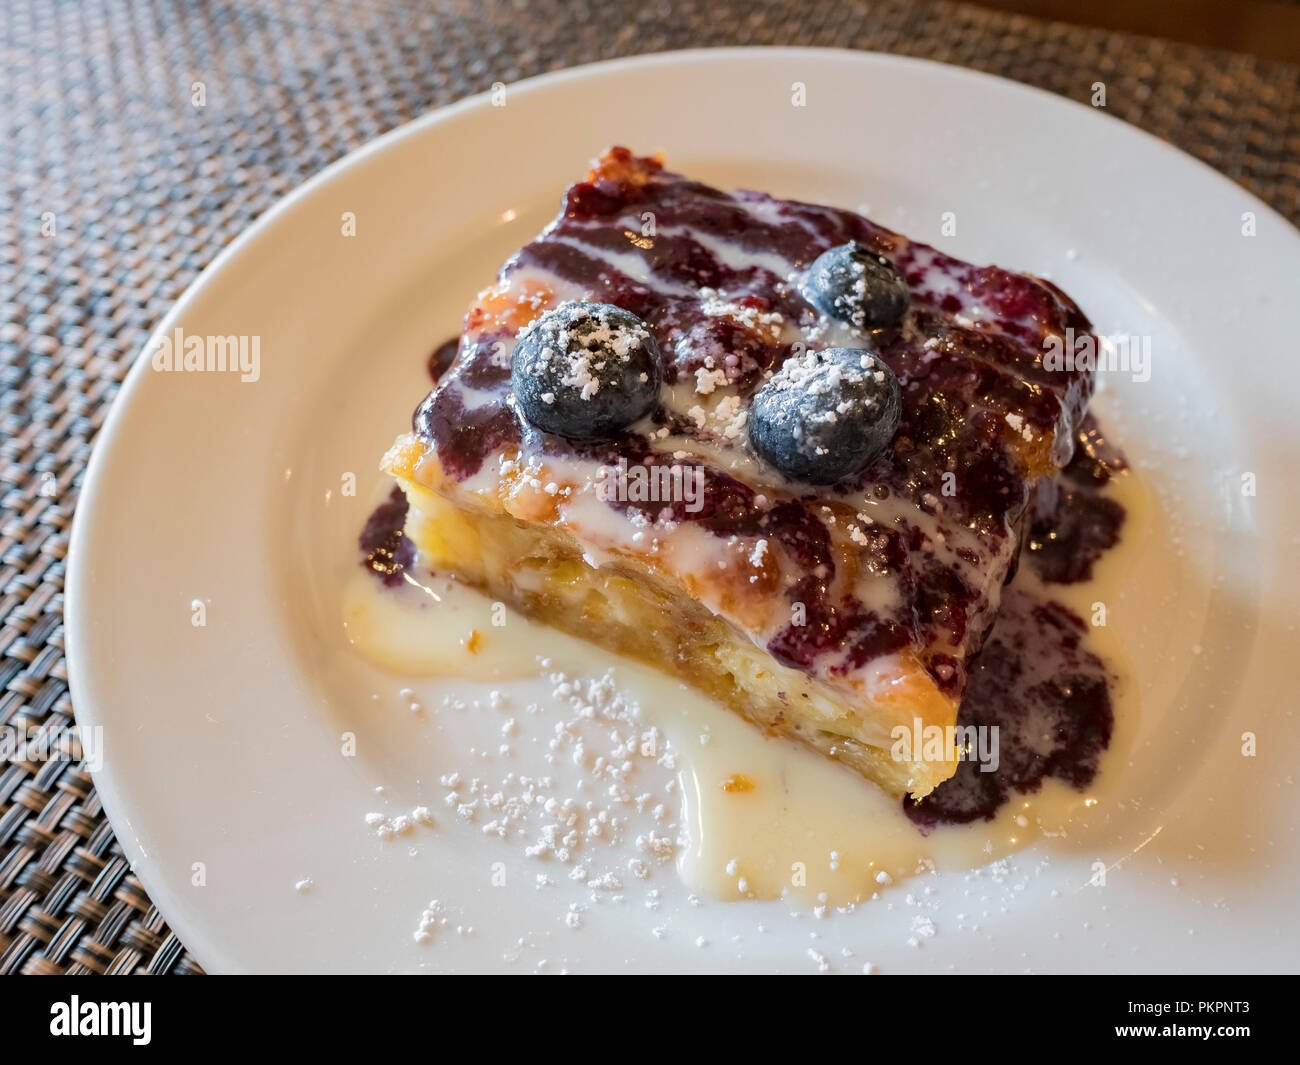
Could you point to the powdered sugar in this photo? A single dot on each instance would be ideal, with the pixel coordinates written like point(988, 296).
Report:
point(715, 304)
point(598, 813)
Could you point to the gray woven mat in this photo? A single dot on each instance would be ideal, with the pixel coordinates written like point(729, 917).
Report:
point(115, 191)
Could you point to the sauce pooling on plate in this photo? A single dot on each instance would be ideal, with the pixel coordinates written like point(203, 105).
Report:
point(1033, 680)
point(386, 551)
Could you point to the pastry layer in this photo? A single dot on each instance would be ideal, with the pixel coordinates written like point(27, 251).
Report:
point(626, 608)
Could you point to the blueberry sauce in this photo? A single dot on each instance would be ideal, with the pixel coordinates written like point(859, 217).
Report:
point(1075, 522)
point(385, 548)
point(466, 436)
point(442, 357)
point(1048, 696)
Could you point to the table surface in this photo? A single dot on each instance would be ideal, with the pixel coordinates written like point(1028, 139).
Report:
point(1266, 28)
point(115, 191)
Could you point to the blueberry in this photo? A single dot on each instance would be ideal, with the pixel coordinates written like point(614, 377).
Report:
point(855, 285)
point(586, 370)
point(825, 415)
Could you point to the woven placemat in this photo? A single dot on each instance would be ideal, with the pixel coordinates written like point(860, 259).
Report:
point(117, 190)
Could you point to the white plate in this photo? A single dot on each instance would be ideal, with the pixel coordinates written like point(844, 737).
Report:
point(223, 774)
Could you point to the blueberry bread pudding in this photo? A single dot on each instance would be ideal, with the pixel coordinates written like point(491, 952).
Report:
point(768, 447)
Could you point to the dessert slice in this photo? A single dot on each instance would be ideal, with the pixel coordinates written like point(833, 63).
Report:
point(769, 447)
